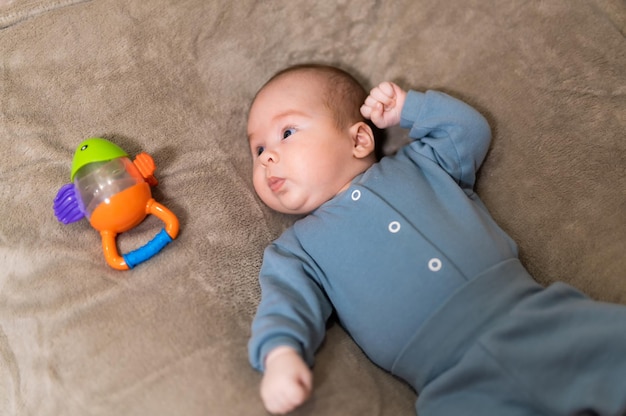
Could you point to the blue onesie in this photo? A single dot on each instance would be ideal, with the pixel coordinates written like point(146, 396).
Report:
point(431, 288)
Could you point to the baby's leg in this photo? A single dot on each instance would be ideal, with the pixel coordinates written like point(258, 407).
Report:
point(476, 386)
point(567, 351)
point(557, 352)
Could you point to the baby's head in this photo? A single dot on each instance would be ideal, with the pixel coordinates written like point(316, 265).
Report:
point(307, 137)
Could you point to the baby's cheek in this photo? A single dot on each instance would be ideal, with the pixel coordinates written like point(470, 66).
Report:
point(257, 183)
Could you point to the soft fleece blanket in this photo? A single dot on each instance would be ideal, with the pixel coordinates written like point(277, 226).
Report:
point(175, 79)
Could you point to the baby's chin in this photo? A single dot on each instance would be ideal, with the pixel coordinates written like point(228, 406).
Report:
point(295, 201)
point(293, 211)
point(289, 207)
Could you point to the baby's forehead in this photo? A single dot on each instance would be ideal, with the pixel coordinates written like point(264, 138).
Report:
point(310, 82)
point(297, 92)
point(290, 88)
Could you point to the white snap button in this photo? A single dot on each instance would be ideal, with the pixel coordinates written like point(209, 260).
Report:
point(356, 194)
point(434, 264)
point(394, 226)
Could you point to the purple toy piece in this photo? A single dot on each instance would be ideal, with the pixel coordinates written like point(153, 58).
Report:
point(67, 205)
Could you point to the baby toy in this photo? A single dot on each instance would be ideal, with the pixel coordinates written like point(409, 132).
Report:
point(113, 192)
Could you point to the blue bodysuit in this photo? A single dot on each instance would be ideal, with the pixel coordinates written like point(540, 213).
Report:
point(431, 288)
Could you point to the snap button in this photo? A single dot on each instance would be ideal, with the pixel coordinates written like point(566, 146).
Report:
point(356, 194)
point(394, 226)
point(434, 264)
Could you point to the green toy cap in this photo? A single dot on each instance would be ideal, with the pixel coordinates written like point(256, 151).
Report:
point(92, 150)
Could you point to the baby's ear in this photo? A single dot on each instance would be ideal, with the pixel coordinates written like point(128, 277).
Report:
point(363, 139)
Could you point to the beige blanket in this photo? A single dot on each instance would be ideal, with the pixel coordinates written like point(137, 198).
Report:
point(175, 79)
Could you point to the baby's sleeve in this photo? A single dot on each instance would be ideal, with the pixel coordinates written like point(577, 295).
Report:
point(293, 310)
point(448, 132)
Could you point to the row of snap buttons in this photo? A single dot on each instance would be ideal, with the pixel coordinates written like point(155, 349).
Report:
point(434, 264)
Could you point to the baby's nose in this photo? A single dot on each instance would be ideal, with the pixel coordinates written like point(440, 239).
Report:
point(269, 156)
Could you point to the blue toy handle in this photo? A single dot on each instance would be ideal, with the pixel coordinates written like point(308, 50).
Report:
point(149, 250)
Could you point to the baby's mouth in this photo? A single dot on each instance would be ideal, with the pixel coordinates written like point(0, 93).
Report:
point(275, 183)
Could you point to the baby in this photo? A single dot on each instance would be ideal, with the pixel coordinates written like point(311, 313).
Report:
point(408, 257)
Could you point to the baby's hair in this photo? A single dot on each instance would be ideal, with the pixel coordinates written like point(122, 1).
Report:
point(343, 96)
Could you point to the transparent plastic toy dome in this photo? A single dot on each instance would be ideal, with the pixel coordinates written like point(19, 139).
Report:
point(97, 182)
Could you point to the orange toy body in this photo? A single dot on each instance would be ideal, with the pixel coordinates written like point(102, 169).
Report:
point(125, 211)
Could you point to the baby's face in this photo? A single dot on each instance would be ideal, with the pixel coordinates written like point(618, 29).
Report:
point(300, 158)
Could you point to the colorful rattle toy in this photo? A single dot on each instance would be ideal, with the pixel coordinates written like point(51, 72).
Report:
point(114, 194)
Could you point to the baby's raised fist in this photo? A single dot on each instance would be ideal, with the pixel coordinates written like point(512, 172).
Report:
point(384, 104)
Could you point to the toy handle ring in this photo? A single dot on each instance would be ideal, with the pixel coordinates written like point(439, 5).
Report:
point(148, 250)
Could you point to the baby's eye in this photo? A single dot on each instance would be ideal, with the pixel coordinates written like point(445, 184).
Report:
point(288, 132)
point(259, 150)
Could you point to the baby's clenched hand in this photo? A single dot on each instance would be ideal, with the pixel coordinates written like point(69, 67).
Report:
point(384, 105)
point(287, 381)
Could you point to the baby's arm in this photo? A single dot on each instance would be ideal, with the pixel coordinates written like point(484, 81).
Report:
point(448, 131)
point(384, 105)
point(287, 381)
point(289, 325)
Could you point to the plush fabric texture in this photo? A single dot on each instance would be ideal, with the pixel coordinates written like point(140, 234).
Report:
point(175, 79)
